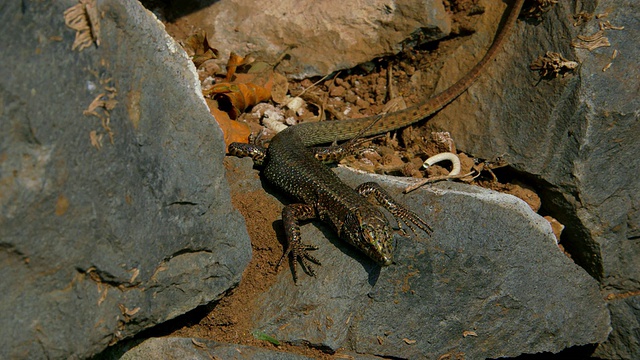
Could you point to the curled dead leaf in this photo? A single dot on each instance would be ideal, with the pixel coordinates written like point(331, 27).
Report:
point(236, 60)
point(235, 98)
point(132, 311)
point(197, 46)
point(233, 131)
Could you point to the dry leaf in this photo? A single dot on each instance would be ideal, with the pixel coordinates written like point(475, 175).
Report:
point(233, 131)
point(101, 107)
point(235, 60)
point(197, 46)
point(235, 98)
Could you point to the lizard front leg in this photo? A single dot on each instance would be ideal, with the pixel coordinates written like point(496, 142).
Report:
point(401, 213)
point(335, 153)
point(299, 251)
point(257, 153)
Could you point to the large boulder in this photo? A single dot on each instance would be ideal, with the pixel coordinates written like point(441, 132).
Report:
point(101, 238)
point(575, 138)
point(317, 37)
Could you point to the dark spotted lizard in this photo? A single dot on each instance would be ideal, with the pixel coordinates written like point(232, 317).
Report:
point(289, 164)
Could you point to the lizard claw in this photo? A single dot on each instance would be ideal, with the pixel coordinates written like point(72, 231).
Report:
point(401, 213)
point(300, 254)
point(408, 217)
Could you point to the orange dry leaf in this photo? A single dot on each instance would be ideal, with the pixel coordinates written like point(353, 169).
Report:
point(199, 49)
point(233, 131)
point(235, 98)
point(236, 60)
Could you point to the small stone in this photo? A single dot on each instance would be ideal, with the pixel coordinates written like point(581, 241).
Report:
point(351, 97)
point(338, 91)
point(556, 227)
point(361, 103)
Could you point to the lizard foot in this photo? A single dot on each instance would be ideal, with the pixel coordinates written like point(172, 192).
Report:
point(401, 213)
point(299, 251)
point(300, 254)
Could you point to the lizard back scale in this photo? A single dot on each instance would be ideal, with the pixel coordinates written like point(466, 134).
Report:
point(290, 165)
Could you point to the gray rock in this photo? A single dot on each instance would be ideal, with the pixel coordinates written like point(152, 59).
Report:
point(490, 282)
point(320, 36)
point(623, 342)
point(97, 245)
point(577, 137)
point(170, 348)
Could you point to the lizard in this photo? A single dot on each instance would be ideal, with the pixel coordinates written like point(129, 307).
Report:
point(291, 164)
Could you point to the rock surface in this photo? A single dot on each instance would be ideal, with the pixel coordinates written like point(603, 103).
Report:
point(490, 282)
point(624, 342)
point(96, 245)
point(174, 348)
point(320, 36)
point(576, 137)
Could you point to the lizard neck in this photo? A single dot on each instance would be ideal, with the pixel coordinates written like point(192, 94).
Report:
point(315, 133)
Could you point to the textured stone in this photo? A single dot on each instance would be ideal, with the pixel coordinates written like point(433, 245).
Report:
point(175, 348)
point(624, 341)
point(96, 245)
point(320, 36)
point(576, 137)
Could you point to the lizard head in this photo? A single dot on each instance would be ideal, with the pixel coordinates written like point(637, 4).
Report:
point(368, 230)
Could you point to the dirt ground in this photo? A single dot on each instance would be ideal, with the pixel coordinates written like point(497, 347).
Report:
point(358, 92)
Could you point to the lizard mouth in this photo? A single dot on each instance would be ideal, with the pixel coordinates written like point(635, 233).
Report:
point(381, 251)
point(386, 261)
point(382, 259)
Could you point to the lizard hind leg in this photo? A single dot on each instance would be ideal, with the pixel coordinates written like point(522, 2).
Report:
point(401, 213)
point(299, 251)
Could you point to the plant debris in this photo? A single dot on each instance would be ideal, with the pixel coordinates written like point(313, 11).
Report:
point(101, 107)
point(552, 64)
point(535, 8)
point(84, 19)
